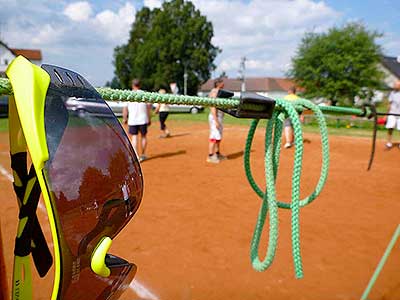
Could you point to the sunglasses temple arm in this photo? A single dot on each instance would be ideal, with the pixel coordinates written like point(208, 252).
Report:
point(22, 279)
point(30, 238)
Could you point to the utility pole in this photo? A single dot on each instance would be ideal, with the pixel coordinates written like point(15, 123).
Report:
point(242, 70)
point(1, 30)
point(183, 63)
point(185, 78)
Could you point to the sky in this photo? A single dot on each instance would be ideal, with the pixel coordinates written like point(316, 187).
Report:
point(81, 35)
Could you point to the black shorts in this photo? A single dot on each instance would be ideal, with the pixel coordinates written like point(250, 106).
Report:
point(163, 117)
point(134, 129)
point(287, 123)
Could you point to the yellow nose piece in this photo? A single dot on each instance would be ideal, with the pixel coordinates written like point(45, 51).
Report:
point(98, 262)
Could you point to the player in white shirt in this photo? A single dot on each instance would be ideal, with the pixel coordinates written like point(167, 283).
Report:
point(138, 117)
point(393, 121)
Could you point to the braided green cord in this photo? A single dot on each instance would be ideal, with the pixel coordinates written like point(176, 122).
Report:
point(268, 203)
point(5, 87)
point(246, 159)
point(149, 97)
point(275, 124)
point(128, 95)
point(341, 110)
point(272, 154)
point(325, 149)
point(297, 168)
point(277, 140)
point(271, 161)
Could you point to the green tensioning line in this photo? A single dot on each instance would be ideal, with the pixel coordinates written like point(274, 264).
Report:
point(270, 204)
point(149, 97)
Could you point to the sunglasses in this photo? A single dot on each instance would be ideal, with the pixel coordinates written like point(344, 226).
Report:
point(88, 173)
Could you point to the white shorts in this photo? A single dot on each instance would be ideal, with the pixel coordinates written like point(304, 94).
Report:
point(393, 122)
point(215, 133)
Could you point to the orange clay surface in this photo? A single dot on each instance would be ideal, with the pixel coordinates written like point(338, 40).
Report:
point(190, 238)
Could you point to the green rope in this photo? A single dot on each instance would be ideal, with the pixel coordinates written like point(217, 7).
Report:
point(270, 204)
point(5, 87)
point(341, 110)
point(128, 95)
point(141, 96)
point(271, 170)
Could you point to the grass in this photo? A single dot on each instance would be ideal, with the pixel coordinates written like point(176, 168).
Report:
point(203, 117)
point(345, 126)
point(3, 124)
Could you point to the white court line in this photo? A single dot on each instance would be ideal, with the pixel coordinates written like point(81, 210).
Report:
point(6, 174)
point(142, 291)
point(135, 285)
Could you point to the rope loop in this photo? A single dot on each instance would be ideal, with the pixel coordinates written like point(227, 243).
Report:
point(273, 137)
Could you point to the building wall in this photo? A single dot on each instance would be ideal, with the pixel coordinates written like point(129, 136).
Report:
point(5, 58)
point(36, 62)
point(273, 94)
point(389, 79)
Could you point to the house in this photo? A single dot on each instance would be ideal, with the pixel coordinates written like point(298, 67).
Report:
point(390, 66)
point(266, 86)
point(278, 87)
point(8, 54)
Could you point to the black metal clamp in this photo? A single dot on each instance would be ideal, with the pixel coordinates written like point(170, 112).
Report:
point(252, 105)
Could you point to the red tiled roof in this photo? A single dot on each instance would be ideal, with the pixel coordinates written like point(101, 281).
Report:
point(32, 54)
point(253, 84)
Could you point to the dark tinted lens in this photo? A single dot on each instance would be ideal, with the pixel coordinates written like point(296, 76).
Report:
point(109, 288)
point(95, 184)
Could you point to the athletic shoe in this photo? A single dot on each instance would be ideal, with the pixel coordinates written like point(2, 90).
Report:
point(163, 136)
point(213, 159)
point(389, 145)
point(288, 145)
point(222, 157)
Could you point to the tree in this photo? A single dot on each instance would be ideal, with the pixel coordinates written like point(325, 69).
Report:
point(114, 83)
point(164, 43)
point(339, 65)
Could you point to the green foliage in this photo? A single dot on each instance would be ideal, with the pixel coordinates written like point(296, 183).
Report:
point(3, 124)
point(163, 43)
point(114, 83)
point(339, 65)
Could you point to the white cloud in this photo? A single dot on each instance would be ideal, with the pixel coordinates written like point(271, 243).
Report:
point(47, 35)
point(71, 35)
point(266, 32)
point(256, 64)
point(78, 11)
point(115, 25)
point(152, 3)
point(82, 36)
point(391, 44)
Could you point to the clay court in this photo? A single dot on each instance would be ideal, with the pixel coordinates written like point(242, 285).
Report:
point(190, 238)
